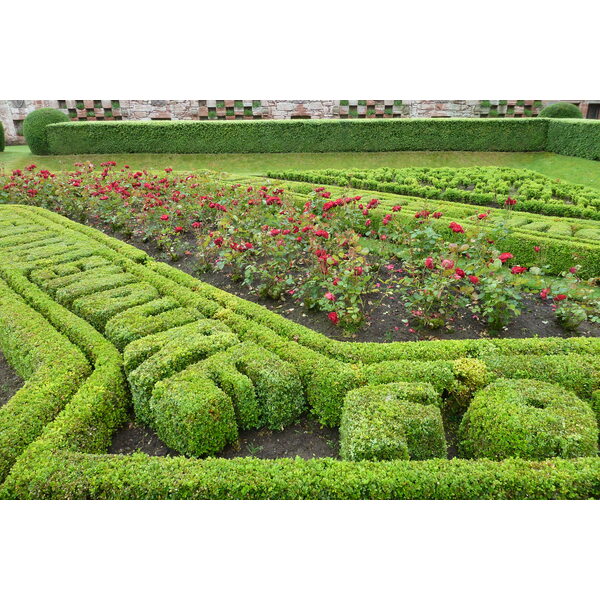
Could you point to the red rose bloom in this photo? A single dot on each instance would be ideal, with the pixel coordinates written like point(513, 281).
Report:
point(330, 297)
point(396, 208)
point(510, 201)
point(460, 273)
point(196, 224)
point(456, 227)
point(164, 217)
point(437, 215)
point(536, 248)
point(333, 317)
point(474, 279)
point(517, 269)
point(429, 263)
point(560, 297)
point(505, 256)
point(178, 229)
point(544, 293)
point(573, 270)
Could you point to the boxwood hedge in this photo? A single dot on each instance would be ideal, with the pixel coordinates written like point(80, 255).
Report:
point(68, 457)
point(310, 135)
point(574, 137)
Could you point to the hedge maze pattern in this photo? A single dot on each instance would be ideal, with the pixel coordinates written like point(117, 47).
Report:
point(95, 325)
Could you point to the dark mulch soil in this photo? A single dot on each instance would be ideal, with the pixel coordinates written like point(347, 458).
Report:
point(306, 439)
point(385, 316)
point(10, 382)
point(135, 437)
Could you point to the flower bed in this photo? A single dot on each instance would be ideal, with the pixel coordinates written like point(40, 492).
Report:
point(335, 253)
point(111, 282)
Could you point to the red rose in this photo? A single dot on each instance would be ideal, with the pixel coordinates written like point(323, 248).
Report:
point(560, 297)
point(516, 270)
point(437, 215)
point(510, 201)
point(573, 270)
point(448, 264)
point(164, 217)
point(358, 270)
point(456, 227)
point(333, 317)
point(168, 170)
point(196, 224)
point(474, 279)
point(505, 256)
point(536, 248)
point(429, 262)
point(396, 208)
point(460, 273)
point(544, 293)
point(482, 216)
point(330, 296)
point(178, 229)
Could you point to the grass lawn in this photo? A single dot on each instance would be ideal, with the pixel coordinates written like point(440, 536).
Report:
point(575, 170)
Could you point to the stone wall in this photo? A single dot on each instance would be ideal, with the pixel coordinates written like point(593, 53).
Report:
point(13, 112)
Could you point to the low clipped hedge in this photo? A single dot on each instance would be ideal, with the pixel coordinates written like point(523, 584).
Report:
point(529, 419)
point(69, 460)
point(535, 193)
point(310, 135)
point(562, 247)
point(574, 137)
point(34, 128)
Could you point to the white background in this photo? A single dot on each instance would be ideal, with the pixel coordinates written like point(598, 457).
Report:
point(307, 50)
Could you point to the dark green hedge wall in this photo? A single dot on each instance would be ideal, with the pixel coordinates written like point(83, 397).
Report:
point(318, 135)
point(574, 137)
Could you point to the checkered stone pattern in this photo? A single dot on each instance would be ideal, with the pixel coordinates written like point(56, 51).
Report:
point(371, 109)
point(231, 110)
point(92, 110)
point(509, 108)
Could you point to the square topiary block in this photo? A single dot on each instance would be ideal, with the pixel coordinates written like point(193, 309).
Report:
point(392, 421)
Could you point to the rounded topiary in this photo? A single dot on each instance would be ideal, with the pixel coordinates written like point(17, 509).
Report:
point(34, 128)
point(525, 418)
point(561, 110)
point(1, 137)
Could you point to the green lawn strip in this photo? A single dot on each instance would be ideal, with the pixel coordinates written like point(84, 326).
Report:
point(574, 170)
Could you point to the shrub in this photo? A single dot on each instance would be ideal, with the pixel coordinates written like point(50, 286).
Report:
point(575, 138)
point(393, 421)
point(529, 419)
point(192, 415)
point(310, 135)
point(34, 128)
point(561, 110)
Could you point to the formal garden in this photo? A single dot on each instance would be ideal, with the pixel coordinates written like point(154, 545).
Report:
point(301, 309)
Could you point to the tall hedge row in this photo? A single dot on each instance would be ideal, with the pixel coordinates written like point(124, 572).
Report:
point(574, 137)
point(318, 135)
